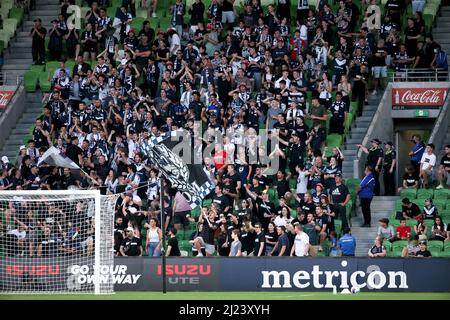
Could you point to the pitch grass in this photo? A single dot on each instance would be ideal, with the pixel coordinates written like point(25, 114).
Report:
point(236, 296)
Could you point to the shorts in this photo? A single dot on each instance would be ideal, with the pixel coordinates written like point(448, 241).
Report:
point(209, 248)
point(377, 71)
point(180, 218)
point(447, 176)
point(228, 16)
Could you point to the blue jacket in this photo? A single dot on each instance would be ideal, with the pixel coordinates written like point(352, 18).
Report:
point(367, 185)
point(347, 244)
point(418, 151)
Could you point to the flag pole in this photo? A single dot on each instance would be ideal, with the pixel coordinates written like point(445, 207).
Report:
point(163, 229)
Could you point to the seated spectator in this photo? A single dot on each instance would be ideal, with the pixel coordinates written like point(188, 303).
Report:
point(427, 164)
point(438, 230)
point(385, 231)
point(423, 251)
point(443, 173)
point(410, 210)
point(403, 231)
point(412, 248)
point(429, 210)
point(347, 243)
point(410, 179)
point(377, 250)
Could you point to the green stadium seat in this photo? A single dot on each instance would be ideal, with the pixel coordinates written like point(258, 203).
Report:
point(440, 204)
point(387, 245)
point(18, 14)
point(333, 140)
point(195, 213)
point(445, 215)
point(446, 245)
point(111, 12)
point(5, 37)
point(180, 235)
point(142, 13)
point(51, 66)
point(37, 68)
point(44, 83)
point(441, 194)
point(188, 233)
point(408, 193)
point(399, 244)
point(206, 203)
point(10, 26)
point(398, 205)
point(116, 3)
point(136, 24)
point(348, 123)
point(30, 79)
point(435, 244)
point(444, 254)
point(434, 252)
point(425, 193)
point(352, 183)
point(396, 252)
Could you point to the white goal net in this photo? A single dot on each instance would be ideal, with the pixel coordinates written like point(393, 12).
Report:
point(56, 241)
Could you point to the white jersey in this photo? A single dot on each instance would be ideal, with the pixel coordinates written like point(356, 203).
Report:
point(301, 240)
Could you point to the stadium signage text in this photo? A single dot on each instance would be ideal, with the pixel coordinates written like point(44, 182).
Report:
point(419, 96)
point(82, 274)
point(5, 97)
point(303, 279)
point(185, 273)
point(32, 270)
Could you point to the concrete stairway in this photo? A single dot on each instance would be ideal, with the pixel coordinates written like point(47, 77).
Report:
point(440, 32)
point(23, 126)
point(381, 207)
point(18, 56)
point(358, 131)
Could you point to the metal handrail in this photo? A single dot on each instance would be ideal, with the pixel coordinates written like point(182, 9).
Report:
point(420, 74)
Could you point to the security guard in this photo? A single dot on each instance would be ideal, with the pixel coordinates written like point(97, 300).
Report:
point(374, 160)
point(389, 163)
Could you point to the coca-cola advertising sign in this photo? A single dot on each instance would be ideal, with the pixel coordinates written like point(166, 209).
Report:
point(5, 97)
point(412, 98)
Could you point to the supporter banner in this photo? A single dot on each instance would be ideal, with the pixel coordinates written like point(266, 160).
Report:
point(229, 274)
point(5, 97)
point(418, 98)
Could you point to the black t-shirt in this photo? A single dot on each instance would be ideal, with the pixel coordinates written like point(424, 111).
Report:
point(413, 211)
point(307, 207)
point(175, 250)
point(410, 179)
point(259, 239)
point(247, 240)
point(271, 236)
point(372, 157)
point(282, 187)
point(131, 246)
point(72, 152)
point(207, 232)
point(37, 39)
point(445, 161)
point(283, 240)
point(222, 201)
point(381, 60)
point(425, 253)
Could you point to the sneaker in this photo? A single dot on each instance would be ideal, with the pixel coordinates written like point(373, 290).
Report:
point(374, 92)
point(154, 15)
point(439, 187)
point(320, 248)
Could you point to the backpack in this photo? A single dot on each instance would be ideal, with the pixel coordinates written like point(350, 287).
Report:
point(441, 60)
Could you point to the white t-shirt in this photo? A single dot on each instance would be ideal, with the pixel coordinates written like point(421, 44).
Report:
point(301, 240)
point(302, 182)
point(280, 221)
point(427, 161)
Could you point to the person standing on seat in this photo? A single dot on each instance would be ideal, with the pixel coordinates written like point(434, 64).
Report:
point(365, 192)
point(374, 160)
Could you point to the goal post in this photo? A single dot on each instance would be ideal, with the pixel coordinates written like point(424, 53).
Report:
point(56, 241)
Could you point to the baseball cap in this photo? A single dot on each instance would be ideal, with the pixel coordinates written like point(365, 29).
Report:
point(5, 159)
point(22, 147)
point(319, 185)
point(338, 174)
point(376, 140)
point(390, 143)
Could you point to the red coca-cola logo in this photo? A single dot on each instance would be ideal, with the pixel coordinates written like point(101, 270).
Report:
point(5, 97)
point(419, 96)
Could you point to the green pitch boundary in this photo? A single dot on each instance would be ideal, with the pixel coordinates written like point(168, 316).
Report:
point(236, 296)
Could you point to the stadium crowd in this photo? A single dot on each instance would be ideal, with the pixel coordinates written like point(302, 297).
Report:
point(229, 76)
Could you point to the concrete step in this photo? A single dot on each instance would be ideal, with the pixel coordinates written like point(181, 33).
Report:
point(26, 61)
point(16, 66)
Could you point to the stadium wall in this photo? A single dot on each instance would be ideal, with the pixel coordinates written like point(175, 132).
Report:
point(233, 274)
point(13, 111)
